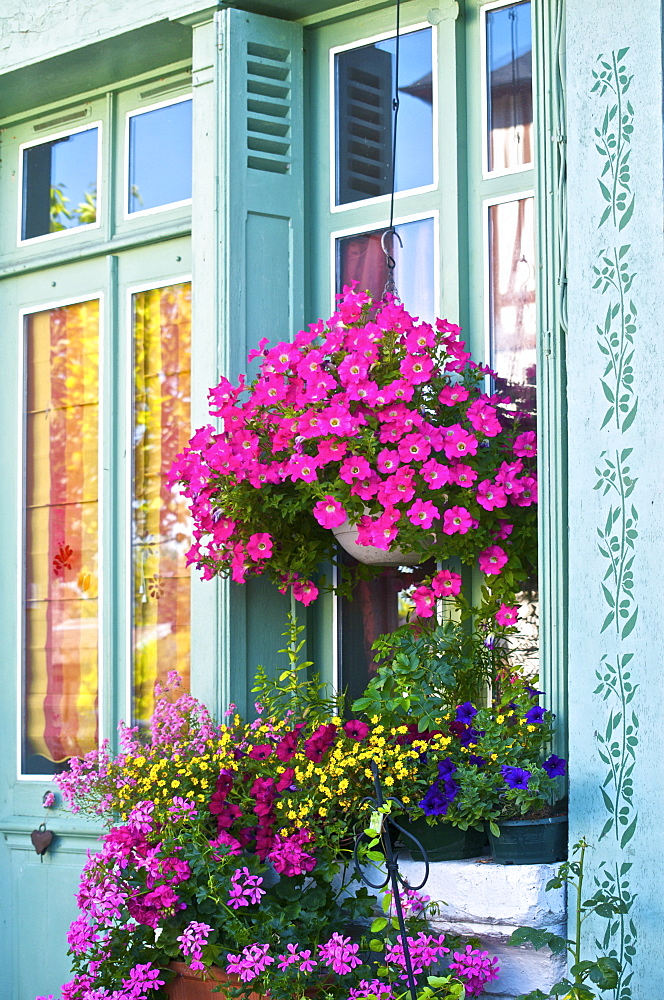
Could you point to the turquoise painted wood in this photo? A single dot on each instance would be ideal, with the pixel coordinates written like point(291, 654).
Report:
point(615, 360)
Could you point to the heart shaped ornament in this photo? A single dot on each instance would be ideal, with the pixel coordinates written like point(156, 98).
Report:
point(41, 840)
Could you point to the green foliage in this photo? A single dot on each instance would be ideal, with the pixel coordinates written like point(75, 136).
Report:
point(603, 972)
point(426, 673)
point(294, 691)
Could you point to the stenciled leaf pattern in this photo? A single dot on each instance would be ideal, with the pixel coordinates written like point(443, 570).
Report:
point(617, 747)
point(615, 336)
point(620, 935)
point(613, 137)
point(616, 541)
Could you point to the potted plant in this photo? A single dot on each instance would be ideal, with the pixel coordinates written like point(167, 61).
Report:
point(498, 772)
point(227, 850)
point(374, 420)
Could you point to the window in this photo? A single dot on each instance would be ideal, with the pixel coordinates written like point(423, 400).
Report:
point(105, 404)
point(463, 210)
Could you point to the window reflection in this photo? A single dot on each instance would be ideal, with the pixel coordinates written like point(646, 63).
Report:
point(161, 524)
point(60, 184)
point(509, 87)
point(512, 297)
point(61, 536)
point(364, 80)
point(360, 258)
point(160, 142)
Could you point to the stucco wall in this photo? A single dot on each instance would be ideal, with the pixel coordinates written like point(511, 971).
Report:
point(31, 31)
point(615, 357)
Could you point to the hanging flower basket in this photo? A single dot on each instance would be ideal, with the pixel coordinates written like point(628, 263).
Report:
point(374, 420)
point(369, 555)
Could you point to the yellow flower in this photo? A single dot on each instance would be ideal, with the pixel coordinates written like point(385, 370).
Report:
point(500, 719)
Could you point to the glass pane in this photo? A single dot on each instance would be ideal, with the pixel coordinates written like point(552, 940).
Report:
point(378, 606)
point(360, 258)
point(512, 296)
point(159, 157)
point(364, 117)
point(161, 527)
point(509, 86)
point(513, 340)
point(60, 184)
point(61, 536)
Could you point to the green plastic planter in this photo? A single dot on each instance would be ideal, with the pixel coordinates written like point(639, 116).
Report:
point(530, 841)
point(442, 842)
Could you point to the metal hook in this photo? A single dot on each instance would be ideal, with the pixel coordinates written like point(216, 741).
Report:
point(390, 285)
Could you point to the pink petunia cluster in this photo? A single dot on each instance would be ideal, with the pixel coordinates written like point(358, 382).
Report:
point(475, 968)
point(372, 418)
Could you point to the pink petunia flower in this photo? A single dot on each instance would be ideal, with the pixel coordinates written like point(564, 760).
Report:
point(446, 583)
point(525, 445)
point(329, 512)
point(492, 559)
point(506, 615)
point(423, 512)
point(457, 520)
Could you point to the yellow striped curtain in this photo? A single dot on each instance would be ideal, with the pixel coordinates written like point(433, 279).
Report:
point(161, 529)
point(61, 536)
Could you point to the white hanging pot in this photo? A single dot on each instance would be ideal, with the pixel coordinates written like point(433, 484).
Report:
point(371, 555)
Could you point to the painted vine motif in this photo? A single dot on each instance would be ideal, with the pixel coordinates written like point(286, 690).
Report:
point(620, 935)
point(613, 279)
point(613, 138)
point(616, 336)
point(617, 747)
point(616, 543)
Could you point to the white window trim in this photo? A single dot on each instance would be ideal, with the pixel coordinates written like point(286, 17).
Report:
point(21, 451)
point(380, 199)
point(41, 141)
point(126, 214)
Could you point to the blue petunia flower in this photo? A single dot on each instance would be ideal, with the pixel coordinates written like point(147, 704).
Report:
point(534, 715)
point(466, 712)
point(515, 777)
point(554, 765)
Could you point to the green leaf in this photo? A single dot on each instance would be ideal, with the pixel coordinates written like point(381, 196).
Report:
point(376, 944)
point(379, 924)
point(627, 215)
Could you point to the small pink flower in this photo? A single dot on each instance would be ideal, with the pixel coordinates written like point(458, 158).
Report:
point(388, 460)
point(458, 442)
point(489, 496)
point(492, 559)
point(506, 615)
point(453, 394)
point(305, 591)
point(462, 475)
point(457, 520)
point(528, 494)
point(525, 445)
point(424, 600)
point(446, 583)
point(423, 512)
point(259, 545)
point(329, 512)
point(354, 467)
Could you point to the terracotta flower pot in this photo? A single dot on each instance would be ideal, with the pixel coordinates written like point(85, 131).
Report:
point(192, 985)
point(370, 555)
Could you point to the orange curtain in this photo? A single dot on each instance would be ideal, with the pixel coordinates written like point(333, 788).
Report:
point(161, 530)
point(61, 535)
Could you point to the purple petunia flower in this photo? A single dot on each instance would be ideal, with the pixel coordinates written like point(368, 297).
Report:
point(534, 715)
point(446, 768)
point(515, 777)
point(475, 759)
point(554, 765)
point(466, 712)
point(435, 802)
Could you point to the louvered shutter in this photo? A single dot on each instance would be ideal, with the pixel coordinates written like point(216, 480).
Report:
point(363, 79)
point(263, 193)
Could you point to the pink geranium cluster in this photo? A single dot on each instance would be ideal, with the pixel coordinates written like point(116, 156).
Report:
point(475, 969)
point(372, 418)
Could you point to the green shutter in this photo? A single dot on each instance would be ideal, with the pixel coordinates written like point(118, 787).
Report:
point(262, 259)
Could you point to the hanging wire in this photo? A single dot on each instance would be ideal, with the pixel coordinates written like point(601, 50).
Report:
point(390, 285)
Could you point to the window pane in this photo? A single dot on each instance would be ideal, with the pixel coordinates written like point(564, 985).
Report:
point(61, 536)
point(364, 117)
point(509, 87)
point(512, 297)
point(159, 157)
point(360, 258)
point(161, 529)
point(513, 333)
point(60, 184)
